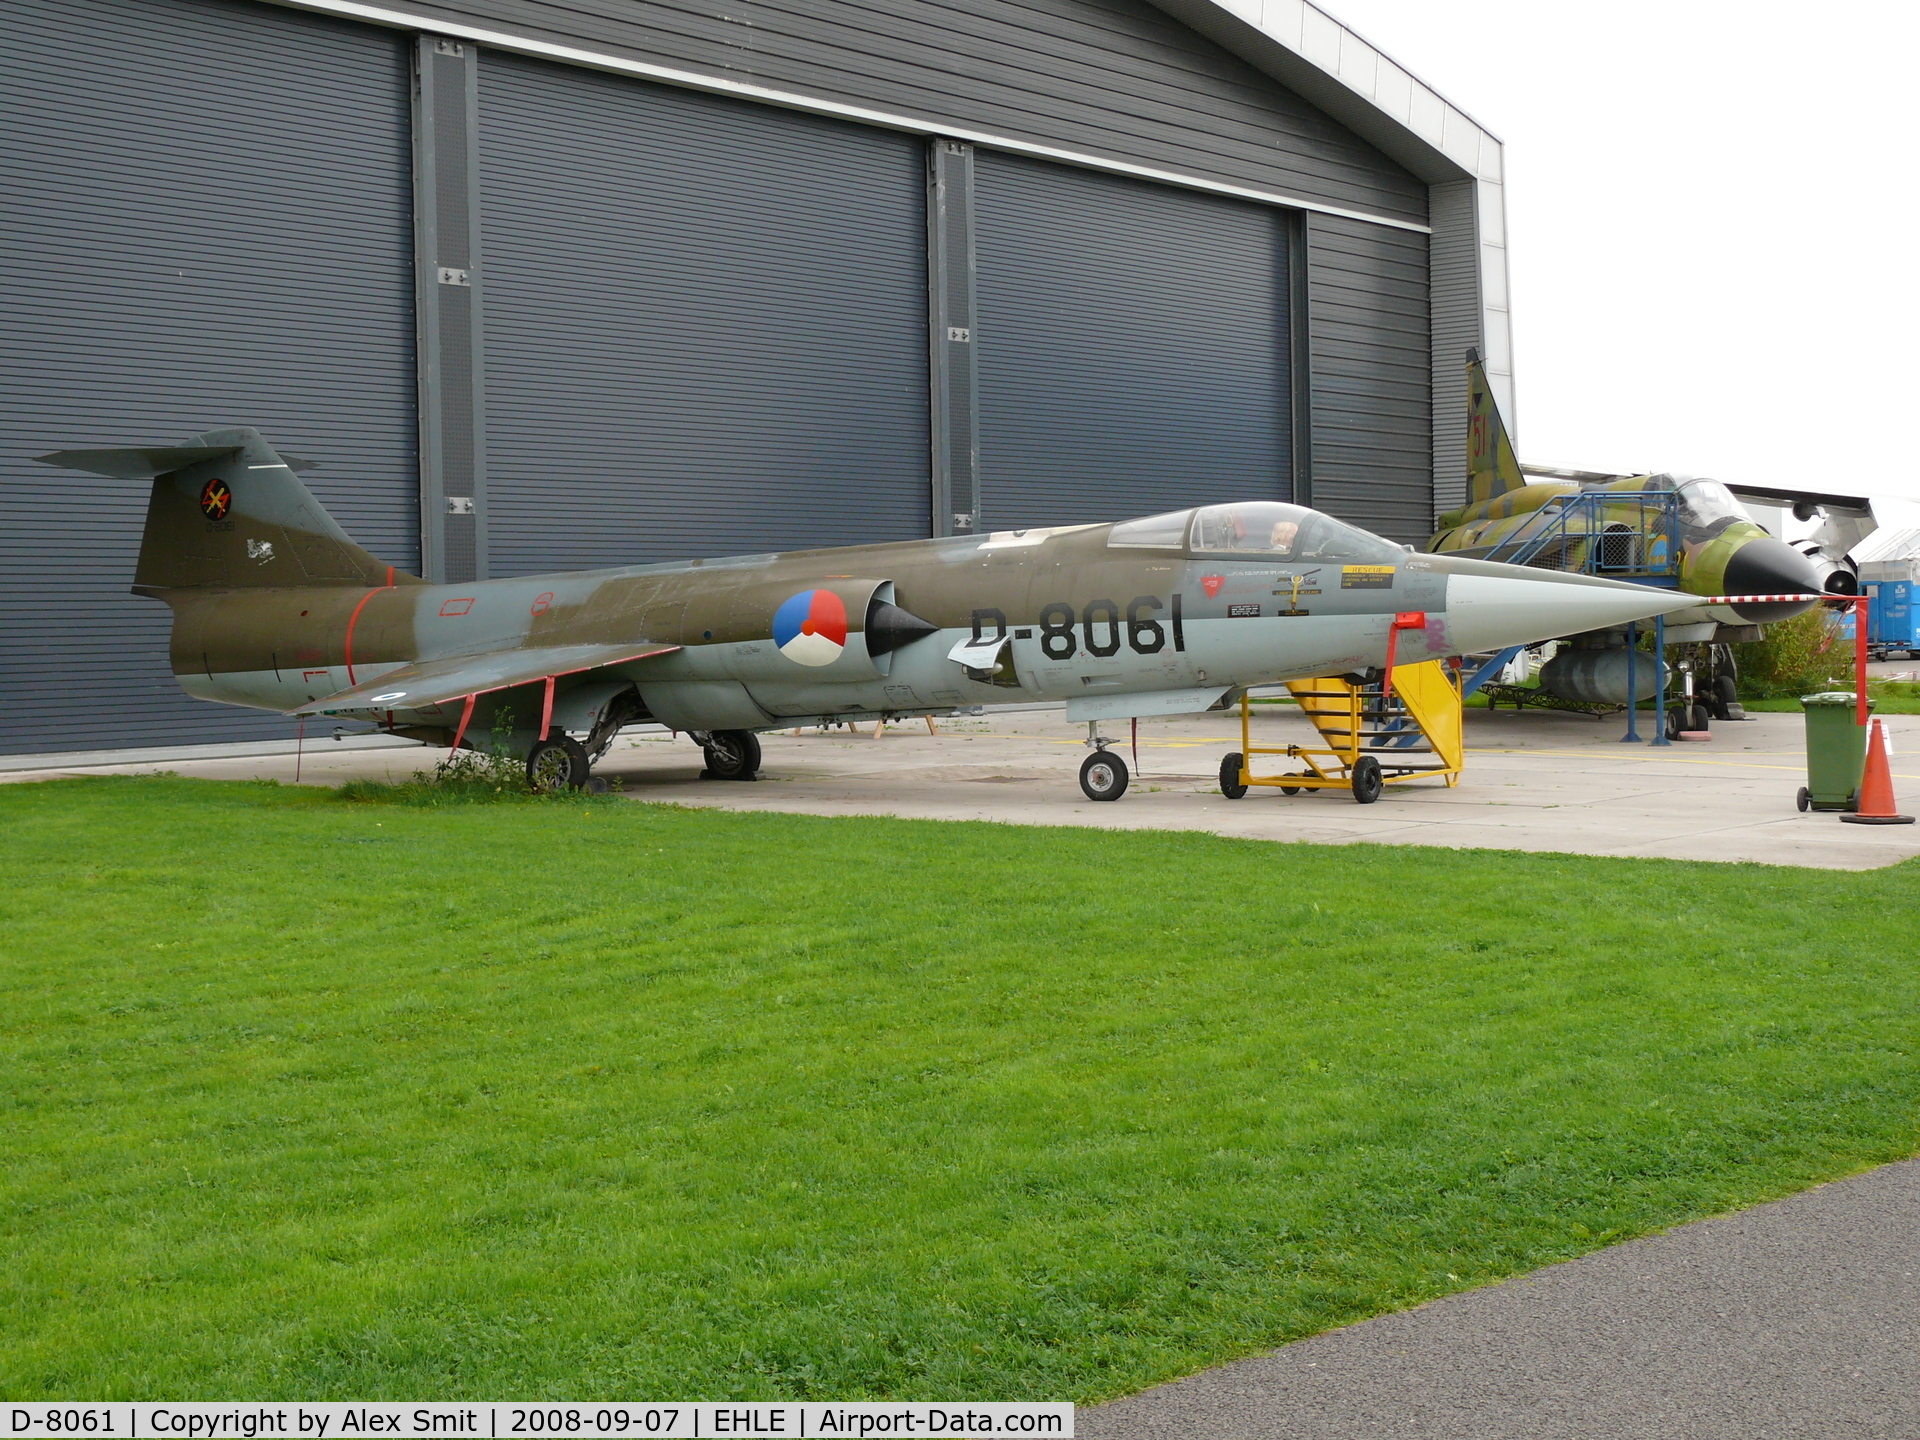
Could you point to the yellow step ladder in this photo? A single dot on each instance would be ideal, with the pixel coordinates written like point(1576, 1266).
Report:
point(1366, 735)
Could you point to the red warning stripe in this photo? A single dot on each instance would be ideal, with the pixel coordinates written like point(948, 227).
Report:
point(354, 619)
point(1768, 599)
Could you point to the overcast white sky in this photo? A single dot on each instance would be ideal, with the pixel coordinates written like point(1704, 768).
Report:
point(1711, 207)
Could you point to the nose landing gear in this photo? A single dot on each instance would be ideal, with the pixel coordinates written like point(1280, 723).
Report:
point(1103, 774)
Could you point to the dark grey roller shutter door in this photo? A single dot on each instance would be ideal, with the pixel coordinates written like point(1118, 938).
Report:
point(1372, 388)
point(1133, 347)
point(706, 324)
point(206, 220)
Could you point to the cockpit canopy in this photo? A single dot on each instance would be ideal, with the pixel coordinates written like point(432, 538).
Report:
point(1254, 530)
point(1705, 506)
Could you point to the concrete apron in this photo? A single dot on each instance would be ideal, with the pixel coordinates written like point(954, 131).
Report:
point(1534, 781)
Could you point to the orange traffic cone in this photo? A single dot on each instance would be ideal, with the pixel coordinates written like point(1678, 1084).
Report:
point(1876, 787)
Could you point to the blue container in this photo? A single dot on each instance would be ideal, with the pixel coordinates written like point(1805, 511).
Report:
point(1890, 617)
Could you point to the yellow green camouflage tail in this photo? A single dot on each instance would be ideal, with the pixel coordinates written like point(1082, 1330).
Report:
point(1492, 468)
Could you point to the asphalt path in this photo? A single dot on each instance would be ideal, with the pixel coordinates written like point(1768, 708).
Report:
point(1798, 1318)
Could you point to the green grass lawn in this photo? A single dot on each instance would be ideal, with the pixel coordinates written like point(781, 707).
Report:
point(308, 1098)
point(1890, 697)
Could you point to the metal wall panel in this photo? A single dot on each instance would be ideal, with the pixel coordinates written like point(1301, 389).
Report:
point(208, 224)
point(706, 324)
point(1457, 326)
point(449, 283)
point(1132, 347)
point(1115, 78)
point(1372, 392)
point(952, 297)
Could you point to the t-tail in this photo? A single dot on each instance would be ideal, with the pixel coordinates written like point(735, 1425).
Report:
point(228, 513)
point(1492, 468)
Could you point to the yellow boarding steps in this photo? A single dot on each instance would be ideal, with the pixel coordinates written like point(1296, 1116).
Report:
point(1366, 736)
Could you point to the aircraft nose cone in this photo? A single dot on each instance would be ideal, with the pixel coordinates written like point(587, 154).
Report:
point(1493, 606)
point(1765, 566)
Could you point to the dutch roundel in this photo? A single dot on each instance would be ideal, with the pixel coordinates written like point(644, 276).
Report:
point(811, 627)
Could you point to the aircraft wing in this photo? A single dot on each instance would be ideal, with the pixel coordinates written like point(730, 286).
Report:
point(433, 682)
point(1829, 503)
point(1842, 521)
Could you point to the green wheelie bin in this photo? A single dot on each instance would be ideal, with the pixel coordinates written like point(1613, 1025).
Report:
point(1836, 752)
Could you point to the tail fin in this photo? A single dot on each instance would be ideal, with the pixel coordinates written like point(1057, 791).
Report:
point(229, 513)
point(1492, 468)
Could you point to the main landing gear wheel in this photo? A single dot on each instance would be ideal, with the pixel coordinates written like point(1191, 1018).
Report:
point(1231, 785)
point(1367, 782)
point(1726, 695)
point(1104, 776)
point(557, 763)
point(733, 754)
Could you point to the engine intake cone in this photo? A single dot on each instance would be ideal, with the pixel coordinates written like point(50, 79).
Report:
point(889, 627)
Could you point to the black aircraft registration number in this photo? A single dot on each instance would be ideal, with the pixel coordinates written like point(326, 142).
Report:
point(1101, 626)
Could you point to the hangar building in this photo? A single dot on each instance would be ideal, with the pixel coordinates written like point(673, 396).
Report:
point(544, 284)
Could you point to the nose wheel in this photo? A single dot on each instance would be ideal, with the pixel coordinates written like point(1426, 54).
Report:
point(1103, 775)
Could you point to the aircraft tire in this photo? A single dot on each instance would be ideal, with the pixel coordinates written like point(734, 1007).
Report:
point(1103, 776)
point(1702, 719)
point(1367, 780)
point(733, 755)
point(1230, 785)
point(558, 763)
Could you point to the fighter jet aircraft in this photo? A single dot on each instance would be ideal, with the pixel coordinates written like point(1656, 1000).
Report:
point(1839, 522)
point(1618, 524)
point(276, 608)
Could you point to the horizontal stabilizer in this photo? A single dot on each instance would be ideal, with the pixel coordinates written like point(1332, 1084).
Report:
point(136, 462)
point(434, 682)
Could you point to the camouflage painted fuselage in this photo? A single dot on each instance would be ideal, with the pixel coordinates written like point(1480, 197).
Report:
point(1668, 530)
point(1082, 621)
point(1635, 535)
point(1112, 631)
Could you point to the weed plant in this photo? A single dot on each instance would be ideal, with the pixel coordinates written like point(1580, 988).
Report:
point(1795, 657)
point(491, 775)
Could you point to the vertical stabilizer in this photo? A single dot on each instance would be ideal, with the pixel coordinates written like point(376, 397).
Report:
point(228, 513)
point(1492, 468)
